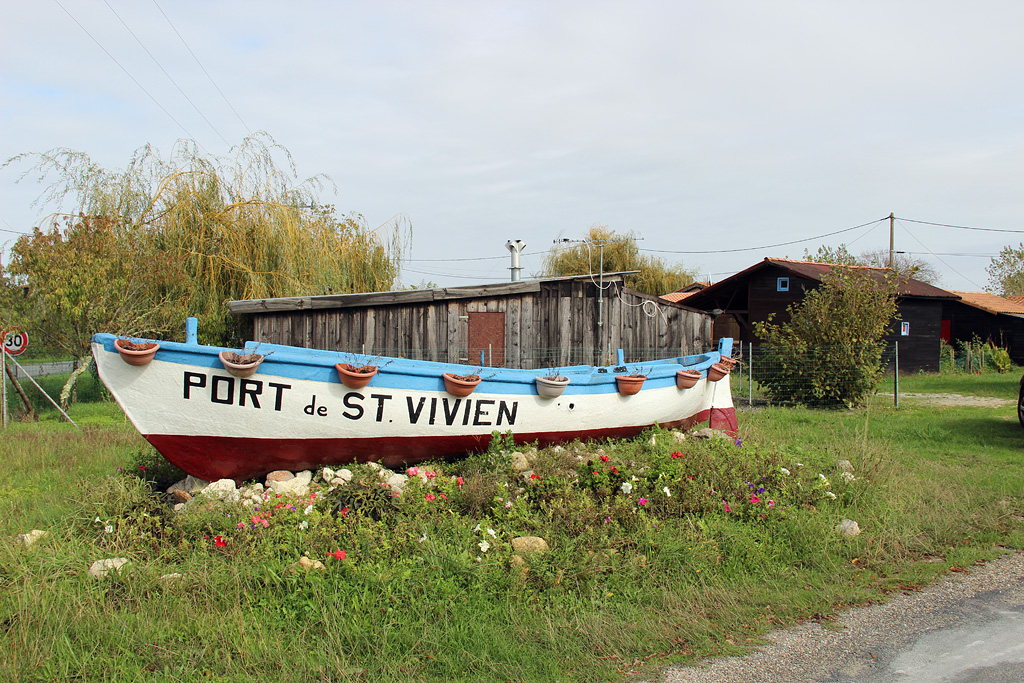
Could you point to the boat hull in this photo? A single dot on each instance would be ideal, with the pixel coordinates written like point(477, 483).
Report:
point(295, 414)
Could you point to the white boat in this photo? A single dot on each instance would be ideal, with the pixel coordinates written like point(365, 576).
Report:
point(294, 412)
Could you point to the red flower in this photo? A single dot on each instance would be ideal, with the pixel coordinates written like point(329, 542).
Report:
point(614, 471)
point(534, 476)
point(344, 511)
point(337, 554)
point(604, 458)
point(677, 454)
point(219, 541)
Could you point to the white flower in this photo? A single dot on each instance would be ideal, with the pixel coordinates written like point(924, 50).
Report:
point(799, 464)
point(822, 477)
point(830, 495)
point(667, 492)
point(109, 528)
point(304, 524)
point(423, 538)
point(784, 471)
point(476, 528)
point(484, 546)
point(309, 508)
point(493, 533)
point(626, 487)
point(97, 520)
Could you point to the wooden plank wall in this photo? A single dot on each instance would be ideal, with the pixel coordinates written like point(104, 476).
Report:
point(554, 327)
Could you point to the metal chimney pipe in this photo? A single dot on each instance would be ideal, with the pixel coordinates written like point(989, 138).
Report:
point(515, 248)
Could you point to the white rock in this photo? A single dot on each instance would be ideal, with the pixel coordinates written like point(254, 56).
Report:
point(305, 476)
point(172, 578)
point(222, 489)
point(29, 539)
point(327, 474)
point(373, 466)
point(194, 485)
point(384, 474)
point(519, 461)
point(292, 487)
point(344, 474)
point(848, 528)
point(557, 449)
point(844, 466)
point(652, 442)
point(279, 475)
point(177, 486)
point(678, 436)
point(398, 482)
point(101, 568)
point(524, 545)
point(178, 507)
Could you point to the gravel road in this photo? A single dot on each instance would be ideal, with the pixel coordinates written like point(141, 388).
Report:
point(967, 627)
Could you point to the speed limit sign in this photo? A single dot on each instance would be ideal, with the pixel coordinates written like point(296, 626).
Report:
point(15, 341)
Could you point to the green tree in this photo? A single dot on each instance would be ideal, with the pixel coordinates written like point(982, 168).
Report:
point(184, 236)
point(620, 253)
point(829, 354)
point(1006, 272)
point(904, 264)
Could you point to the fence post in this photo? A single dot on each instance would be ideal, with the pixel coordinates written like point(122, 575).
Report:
point(896, 376)
point(3, 378)
point(750, 374)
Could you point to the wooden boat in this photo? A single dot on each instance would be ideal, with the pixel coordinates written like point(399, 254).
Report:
point(294, 413)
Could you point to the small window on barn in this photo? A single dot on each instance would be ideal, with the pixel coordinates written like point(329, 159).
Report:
point(783, 284)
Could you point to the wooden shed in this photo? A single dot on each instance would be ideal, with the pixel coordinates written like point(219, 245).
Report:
point(771, 286)
point(544, 323)
point(988, 318)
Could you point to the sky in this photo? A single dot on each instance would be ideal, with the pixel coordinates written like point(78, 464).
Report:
point(718, 133)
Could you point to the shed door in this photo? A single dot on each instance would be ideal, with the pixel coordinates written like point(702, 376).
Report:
point(487, 335)
point(945, 331)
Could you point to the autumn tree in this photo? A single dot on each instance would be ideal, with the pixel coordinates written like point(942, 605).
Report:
point(165, 238)
point(620, 253)
point(1006, 272)
point(829, 353)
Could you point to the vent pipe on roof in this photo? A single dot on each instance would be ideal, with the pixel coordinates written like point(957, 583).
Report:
point(515, 248)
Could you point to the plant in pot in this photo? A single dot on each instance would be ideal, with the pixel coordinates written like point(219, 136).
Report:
point(240, 364)
point(551, 385)
point(717, 372)
point(460, 385)
point(630, 384)
point(136, 353)
point(355, 377)
point(686, 379)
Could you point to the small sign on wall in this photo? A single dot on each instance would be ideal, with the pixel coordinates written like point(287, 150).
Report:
point(904, 329)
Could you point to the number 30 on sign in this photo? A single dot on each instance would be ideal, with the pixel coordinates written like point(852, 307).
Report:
point(15, 341)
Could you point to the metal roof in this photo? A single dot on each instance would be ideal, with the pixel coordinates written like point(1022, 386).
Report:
point(992, 303)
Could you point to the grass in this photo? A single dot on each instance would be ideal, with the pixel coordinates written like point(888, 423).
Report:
point(625, 589)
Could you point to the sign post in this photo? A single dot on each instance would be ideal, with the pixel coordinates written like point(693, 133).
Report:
point(14, 343)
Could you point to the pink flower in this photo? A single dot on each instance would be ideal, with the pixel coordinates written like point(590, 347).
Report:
point(771, 503)
point(727, 508)
point(755, 499)
point(643, 501)
point(460, 482)
point(431, 475)
point(413, 471)
point(430, 497)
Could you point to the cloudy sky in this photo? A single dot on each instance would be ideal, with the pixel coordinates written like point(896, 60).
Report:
point(718, 132)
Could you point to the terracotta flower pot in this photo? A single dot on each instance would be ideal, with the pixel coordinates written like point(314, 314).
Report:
point(240, 365)
point(717, 372)
point(133, 353)
point(459, 385)
point(686, 379)
point(630, 384)
point(729, 363)
point(355, 377)
point(551, 387)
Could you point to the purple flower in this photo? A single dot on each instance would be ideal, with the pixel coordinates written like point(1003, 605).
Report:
point(738, 442)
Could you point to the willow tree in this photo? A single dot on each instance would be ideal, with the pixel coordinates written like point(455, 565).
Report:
point(240, 227)
point(604, 250)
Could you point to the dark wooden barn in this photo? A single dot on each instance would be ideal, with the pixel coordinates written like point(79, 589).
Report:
point(987, 318)
point(545, 323)
point(771, 286)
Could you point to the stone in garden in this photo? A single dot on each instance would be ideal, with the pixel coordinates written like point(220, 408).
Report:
point(305, 564)
point(398, 482)
point(678, 436)
point(298, 485)
point(529, 544)
point(709, 433)
point(171, 578)
point(844, 466)
point(180, 496)
point(222, 489)
point(279, 475)
point(177, 486)
point(100, 568)
point(557, 449)
point(327, 474)
point(179, 507)
point(527, 474)
point(344, 474)
point(194, 485)
point(520, 462)
point(373, 466)
point(848, 528)
point(30, 539)
point(652, 442)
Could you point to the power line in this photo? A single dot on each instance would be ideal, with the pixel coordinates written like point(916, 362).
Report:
point(169, 77)
point(958, 227)
point(182, 39)
point(937, 257)
point(114, 59)
point(767, 246)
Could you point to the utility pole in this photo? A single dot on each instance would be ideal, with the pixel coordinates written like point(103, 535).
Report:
point(892, 244)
